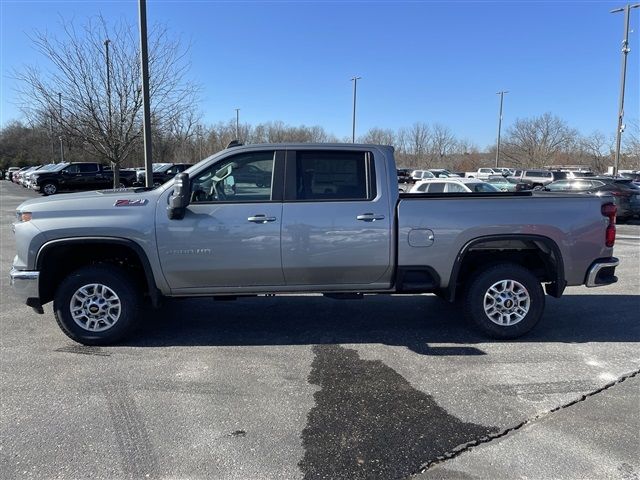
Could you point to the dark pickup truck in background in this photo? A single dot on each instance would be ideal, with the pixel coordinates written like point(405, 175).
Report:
point(79, 176)
point(162, 173)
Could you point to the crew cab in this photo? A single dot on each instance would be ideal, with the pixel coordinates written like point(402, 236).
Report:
point(78, 176)
point(329, 220)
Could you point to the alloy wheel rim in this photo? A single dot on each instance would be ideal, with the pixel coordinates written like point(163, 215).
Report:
point(506, 302)
point(49, 189)
point(95, 307)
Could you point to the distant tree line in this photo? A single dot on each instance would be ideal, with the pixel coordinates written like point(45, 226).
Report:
point(87, 105)
point(528, 142)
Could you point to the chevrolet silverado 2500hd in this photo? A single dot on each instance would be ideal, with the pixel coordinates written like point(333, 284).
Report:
point(327, 218)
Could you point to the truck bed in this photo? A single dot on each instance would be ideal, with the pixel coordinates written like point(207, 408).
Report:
point(434, 228)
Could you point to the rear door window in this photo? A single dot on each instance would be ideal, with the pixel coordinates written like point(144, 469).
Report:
point(334, 175)
point(88, 167)
point(455, 188)
point(436, 187)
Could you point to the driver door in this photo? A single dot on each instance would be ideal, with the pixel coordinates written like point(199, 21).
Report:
point(230, 234)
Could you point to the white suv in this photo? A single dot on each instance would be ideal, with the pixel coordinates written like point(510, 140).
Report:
point(452, 185)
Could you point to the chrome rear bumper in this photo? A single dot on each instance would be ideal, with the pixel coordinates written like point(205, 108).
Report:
point(602, 272)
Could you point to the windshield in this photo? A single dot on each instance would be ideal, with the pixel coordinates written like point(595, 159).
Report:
point(55, 167)
point(52, 167)
point(557, 186)
point(159, 166)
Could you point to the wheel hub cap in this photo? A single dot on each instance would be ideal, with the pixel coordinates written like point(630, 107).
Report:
point(506, 302)
point(95, 307)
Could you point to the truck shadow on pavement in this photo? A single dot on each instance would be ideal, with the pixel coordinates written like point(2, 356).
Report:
point(418, 322)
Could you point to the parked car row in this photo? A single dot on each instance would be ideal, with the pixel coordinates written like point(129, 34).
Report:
point(75, 176)
point(625, 189)
point(625, 192)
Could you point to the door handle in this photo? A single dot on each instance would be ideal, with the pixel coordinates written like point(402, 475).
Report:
point(369, 217)
point(261, 219)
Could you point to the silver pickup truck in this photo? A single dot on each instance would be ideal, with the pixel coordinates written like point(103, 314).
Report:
point(324, 218)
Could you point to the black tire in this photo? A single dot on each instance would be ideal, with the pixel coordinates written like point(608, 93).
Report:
point(49, 188)
point(476, 308)
point(118, 282)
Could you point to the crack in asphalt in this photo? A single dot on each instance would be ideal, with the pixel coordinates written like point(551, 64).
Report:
point(464, 447)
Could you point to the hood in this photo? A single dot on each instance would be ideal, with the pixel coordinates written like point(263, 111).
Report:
point(68, 202)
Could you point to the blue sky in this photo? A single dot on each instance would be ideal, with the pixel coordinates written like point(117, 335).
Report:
point(419, 61)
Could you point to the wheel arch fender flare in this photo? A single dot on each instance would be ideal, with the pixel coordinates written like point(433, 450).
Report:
point(154, 292)
point(555, 288)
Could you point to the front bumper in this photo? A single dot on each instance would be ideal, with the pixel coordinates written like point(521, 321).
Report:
point(26, 287)
point(602, 272)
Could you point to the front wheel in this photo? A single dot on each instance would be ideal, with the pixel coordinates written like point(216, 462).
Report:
point(504, 301)
point(96, 305)
point(49, 188)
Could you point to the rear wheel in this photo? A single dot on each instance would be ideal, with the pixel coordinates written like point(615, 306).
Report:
point(96, 305)
point(504, 301)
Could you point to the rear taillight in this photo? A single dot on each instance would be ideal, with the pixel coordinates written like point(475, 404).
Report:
point(609, 210)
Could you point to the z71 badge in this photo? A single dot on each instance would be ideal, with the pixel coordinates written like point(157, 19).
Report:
point(137, 202)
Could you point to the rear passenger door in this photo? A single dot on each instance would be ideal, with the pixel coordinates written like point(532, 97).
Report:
point(88, 177)
point(336, 220)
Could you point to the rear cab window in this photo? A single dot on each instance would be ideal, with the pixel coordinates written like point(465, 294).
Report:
point(330, 175)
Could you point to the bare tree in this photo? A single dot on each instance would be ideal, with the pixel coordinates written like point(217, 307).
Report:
point(278, 132)
point(596, 150)
point(631, 144)
point(99, 103)
point(379, 136)
point(442, 142)
point(539, 140)
point(418, 139)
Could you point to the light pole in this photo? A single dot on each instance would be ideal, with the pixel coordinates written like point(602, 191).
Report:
point(106, 47)
point(501, 93)
point(237, 124)
point(353, 125)
point(60, 113)
point(625, 50)
point(53, 141)
point(116, 173)
point(146, 119)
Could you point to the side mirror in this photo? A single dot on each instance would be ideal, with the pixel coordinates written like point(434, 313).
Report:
point(180, 197)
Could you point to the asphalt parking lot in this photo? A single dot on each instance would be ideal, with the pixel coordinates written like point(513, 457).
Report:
point(309, 387)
